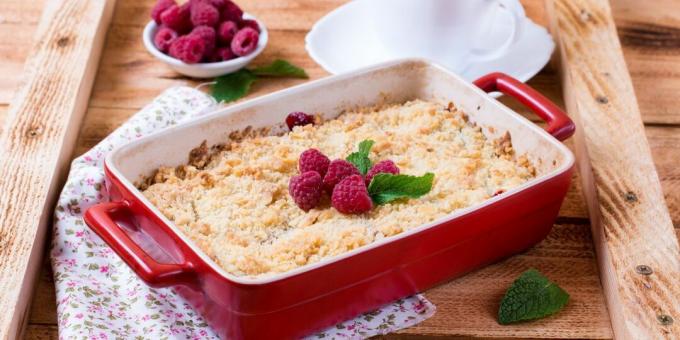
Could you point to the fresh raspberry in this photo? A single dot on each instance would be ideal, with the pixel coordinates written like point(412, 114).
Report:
point(177, 18)
point(204, 13)
point(221, 54)
point(337, 171)
point(305, 189)
point(160, 7)
point(219, 4)
point(351, 197)
point(386, 166)
point(226, 32)
point(188, 49)
point(249, 23)
point(314, 160)
point(298, 119)
point(194, 2)
point(245, 41)
point(164, 38)
point(207, 34)
point(231, 12)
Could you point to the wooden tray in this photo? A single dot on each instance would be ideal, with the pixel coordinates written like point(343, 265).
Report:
point(630, 224)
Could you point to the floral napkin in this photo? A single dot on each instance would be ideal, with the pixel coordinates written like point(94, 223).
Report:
point(99, 297)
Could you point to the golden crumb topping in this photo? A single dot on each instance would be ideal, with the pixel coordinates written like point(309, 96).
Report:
point(234, 203)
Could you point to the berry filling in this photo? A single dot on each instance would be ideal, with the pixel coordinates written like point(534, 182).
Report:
point(298, 119)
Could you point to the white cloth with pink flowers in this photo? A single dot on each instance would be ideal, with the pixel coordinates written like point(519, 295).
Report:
point(99, 297)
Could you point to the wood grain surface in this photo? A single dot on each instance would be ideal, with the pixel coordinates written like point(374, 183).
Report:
point(633, 234)
point(41, 130)
point(129, 77)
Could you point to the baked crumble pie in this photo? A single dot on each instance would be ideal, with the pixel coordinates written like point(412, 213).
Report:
point(233, 200)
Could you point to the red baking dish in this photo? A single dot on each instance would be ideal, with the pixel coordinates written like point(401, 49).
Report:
point(318, 295)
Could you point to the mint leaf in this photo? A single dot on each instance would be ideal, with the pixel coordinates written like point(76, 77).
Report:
point(385, 188)
point(233, 86)
point(531, 296)
point(280, 68)
point(360, 158)
point(365, 146)
point(361, 161)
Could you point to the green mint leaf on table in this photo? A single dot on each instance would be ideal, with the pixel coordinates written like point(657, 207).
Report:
point(360, 158)
point(531, 296)
point(233, 86)
point(385, 188)
point(280, 68)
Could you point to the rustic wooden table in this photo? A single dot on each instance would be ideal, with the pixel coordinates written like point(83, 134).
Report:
point(128, 78)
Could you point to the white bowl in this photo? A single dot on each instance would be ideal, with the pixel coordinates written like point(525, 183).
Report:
point(204, 70)
point(354, 36)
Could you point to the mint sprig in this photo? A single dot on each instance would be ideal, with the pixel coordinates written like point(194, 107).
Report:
point(233, 86)
point(280, 68)
point(385, 188)
point(360, 158)
point(531, 296)
point(236, 85)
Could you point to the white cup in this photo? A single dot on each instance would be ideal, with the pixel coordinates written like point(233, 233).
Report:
point(455, 33)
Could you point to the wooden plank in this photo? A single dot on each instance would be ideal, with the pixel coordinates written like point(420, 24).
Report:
point(3, 115)
point(664, 142)
point(630, 221)
point(650, 35)
point(38, 139)
point(99, 123)
point(44, 305)
point(42, 332)
point(18, 21)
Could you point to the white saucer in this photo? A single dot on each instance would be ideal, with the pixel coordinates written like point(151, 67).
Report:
point(344, 40)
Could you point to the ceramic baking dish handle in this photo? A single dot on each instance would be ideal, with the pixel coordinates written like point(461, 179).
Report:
point(101, 218)
point(559, 124)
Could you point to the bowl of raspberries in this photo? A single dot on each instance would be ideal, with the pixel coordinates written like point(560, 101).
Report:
point(203, 38)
